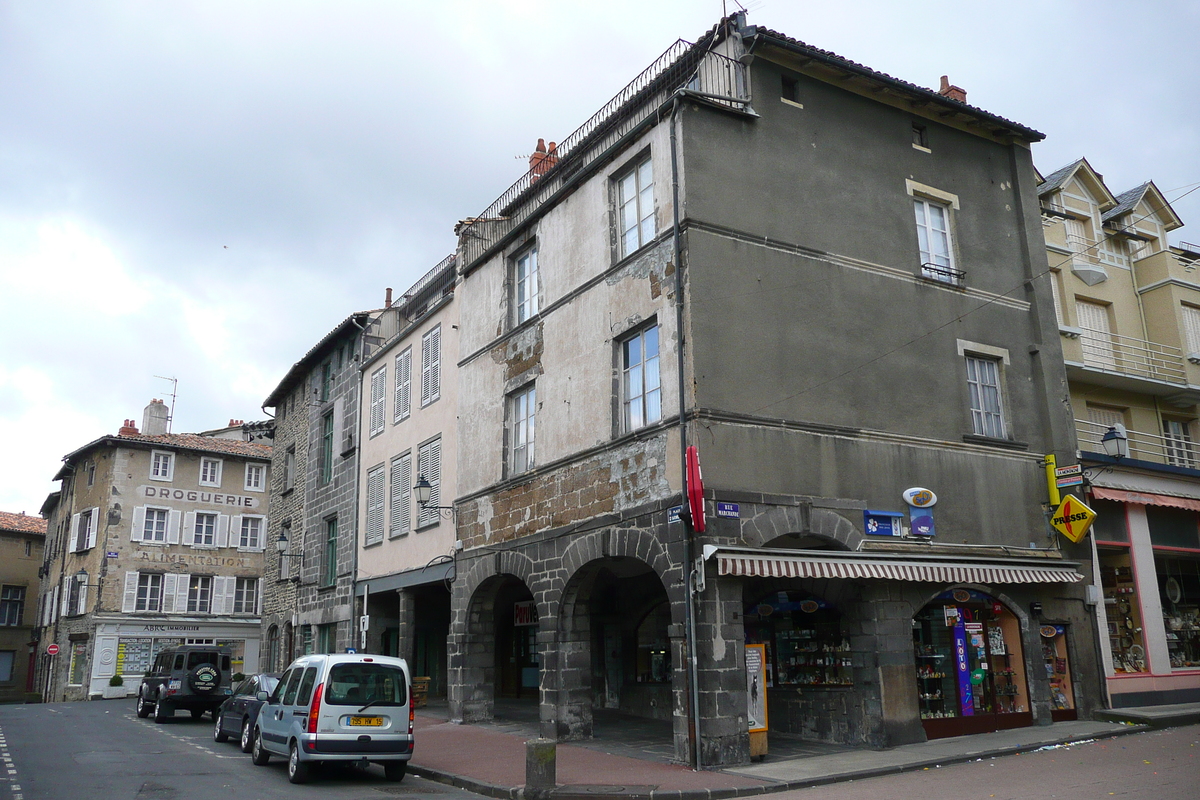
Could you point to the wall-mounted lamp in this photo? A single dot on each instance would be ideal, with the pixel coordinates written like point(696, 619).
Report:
point(424, 491)
point(1115, 442)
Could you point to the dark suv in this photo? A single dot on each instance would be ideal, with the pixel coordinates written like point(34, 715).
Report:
point(195, 677)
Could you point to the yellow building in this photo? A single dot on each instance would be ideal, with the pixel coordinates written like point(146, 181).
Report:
point(1128, 306)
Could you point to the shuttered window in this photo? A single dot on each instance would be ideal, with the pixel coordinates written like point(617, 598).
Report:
point(245, 599)
point(375, 497)
point(1097, 334)
point(403, 399)
point(199, 596)
point(429, 466)
point(431, 366)
point(378, 400)
point(1191, 329)
point(401, 496)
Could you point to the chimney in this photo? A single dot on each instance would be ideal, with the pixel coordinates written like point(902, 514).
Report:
point(128, 429)
point(233, 423)
point(387, 298)
point(542, 159)
point(953, 92)
point(154, 418)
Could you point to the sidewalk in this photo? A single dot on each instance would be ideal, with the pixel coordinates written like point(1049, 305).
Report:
point(491, 762)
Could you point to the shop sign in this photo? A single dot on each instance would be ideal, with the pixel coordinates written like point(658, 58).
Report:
point(1068, 476)
point(756, 687)
point(193, 496)
point(919, 498)
point(525, 613)
point(962, 666)
point(730, 510)
point(920, 521)
point(1072, 519)
point(883, 523)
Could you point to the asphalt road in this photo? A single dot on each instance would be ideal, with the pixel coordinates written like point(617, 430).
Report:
point(101, 751)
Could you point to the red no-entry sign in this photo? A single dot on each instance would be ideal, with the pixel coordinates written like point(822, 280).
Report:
point(52, 650)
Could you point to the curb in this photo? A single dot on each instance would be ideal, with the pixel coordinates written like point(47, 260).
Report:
point(565, 792)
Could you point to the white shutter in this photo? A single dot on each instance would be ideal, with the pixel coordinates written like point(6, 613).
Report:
point(74, 533)
point(93, 525)
point(66, 598)
point(1191, 329)
point(375, 500)
point(401, 510)
point(258, 598)
point(338, 426)
point(222, 530)
point(54, 604)
point(82, 607)
point(182, 584)
point(1097, 334)
point(189, 528)
point(235, 530)
point(435, 372)
point(173, 522)
point(131, 584)
point(403, 397)
point(169, 582)
point(378, 400)
point(426, 368)
point(139, 524)
point(222, 594)
point(429, 464)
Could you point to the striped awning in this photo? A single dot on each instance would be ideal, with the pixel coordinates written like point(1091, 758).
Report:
point(1145, 498)
point(927, 570)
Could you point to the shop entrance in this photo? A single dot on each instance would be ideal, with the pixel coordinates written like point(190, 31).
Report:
point(431, 626)
point(970, 666)
point(516, 624)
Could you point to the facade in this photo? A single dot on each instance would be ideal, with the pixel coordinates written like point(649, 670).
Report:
point(308, 602)
point(409, 418)
point(155, 539)
point(21, 541)
point(1128, 308)
point(823, 279)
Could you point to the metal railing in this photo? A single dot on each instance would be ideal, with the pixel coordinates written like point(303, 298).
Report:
point(1124, 354)
point(954, 277)
point(1173, 450)
point(431, 287)
point(711, 76)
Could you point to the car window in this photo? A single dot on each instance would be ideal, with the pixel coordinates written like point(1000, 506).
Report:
point(306, 686)
point(359, 684)
point(268, 683)
point(277, 693)
point(289, 693)
point(196, 659)
point(179, 661)
point(245, 687)
point(225, 663)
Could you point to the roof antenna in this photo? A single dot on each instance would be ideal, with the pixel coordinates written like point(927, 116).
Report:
point(174, 389)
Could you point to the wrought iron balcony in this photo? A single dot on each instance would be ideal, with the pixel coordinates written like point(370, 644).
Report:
point(1175, 451)
point(954, 277)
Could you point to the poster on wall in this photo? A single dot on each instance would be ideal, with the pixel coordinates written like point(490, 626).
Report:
point(756, 687)
point(962, 668)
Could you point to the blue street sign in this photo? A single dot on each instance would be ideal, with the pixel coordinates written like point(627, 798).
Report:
point(730, 510)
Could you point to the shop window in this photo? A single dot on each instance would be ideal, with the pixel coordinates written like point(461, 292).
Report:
point(1058, 672)
point(804, 639)
point(1122, 610)
point(1109, 525)
point(1173, 527)
point(1179, 591)
point(969, 663)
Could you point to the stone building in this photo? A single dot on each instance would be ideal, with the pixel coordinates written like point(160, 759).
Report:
point(1128, 308)
point(309, 585)
point(21, 541)
point(154, 539)
point(824, 279)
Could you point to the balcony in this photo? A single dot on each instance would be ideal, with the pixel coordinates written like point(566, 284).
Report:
point(1137, 365)
point(1172, 451)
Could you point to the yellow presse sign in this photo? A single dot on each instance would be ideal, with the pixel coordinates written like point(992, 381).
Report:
point(1072, 519)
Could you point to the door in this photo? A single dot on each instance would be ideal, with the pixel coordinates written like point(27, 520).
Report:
point(275, 716)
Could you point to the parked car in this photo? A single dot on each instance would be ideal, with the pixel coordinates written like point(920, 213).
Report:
point(337, 707)
point(237, 714)
point(195, 677)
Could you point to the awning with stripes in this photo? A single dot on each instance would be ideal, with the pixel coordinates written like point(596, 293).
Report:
point(897, 568)
point(1145, 498)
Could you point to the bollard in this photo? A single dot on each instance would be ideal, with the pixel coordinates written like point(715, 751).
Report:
point(540, 770)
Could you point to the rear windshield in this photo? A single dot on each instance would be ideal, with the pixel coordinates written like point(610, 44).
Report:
point(196, 659)
point(359, 684)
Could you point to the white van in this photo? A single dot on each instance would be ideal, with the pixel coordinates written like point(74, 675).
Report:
point(338, 707)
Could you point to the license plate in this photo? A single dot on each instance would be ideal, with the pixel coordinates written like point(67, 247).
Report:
point(374, 722)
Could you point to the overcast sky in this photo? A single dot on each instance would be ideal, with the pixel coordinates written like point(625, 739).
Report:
point(203, 190)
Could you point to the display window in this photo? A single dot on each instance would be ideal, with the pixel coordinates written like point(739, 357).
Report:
point(804, 640)
point(1179, 592)
point(970, 667)
point(1055, 658)
point(1123, 612)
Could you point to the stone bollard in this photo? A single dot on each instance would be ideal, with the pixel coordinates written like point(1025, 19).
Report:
point(540, 768)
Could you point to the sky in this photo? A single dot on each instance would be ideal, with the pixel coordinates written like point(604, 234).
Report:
point(202, 190)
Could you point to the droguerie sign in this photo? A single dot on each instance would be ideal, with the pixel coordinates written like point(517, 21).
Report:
point(196, 496)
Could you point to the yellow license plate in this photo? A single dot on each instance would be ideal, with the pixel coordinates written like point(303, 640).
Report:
point(374, 722)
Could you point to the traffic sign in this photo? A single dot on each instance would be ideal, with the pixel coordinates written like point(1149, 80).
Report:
point(1072, 519)
point(52, 650)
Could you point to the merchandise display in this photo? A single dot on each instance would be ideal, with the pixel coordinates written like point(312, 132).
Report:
point(1123, 610)
point(1179, 593)
point(804, 641)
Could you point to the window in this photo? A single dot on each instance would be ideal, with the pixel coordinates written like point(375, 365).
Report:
point(327, 448)
point(331, 554)
point(6, 665)
point(210, 472)
point(378, 400)
point(255, 477)
point(1097, 339)
point(920, 136)
point(289, 469)
point(429, 466)
point(12, 605)
point(91, 475)
point(521, 419)
point(635, 202)
point(162, 466)
point(1177, 439)
point(327, 638)
point(205, 531)
point(149, 592)
point(933, 236)
point(245, 596)
point(76, 594)
point(431, 366)
point(525, 285)
point(200, 594)
point(375, 499)
point(789, 89)
point(641, 391)
point(983, 381)
point(1191, 329)
point(400, 509)
point(155, 528)
point(326, 380)
point(78, 669)
point(251, 533)
point(403, 399)
point(85, 527)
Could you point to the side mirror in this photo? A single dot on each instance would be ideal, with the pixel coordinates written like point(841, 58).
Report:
point(262, 696)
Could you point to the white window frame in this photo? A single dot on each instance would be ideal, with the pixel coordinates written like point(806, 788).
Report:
point(1178, 444)
point(429, 466)
point(254, 526)
point(376, 483)
point(522, 429)
point(245, 595)
point(525, 285)
point(162, 465)
point(641, 403)
point(145, 587)
point(378, 399)
point(400, 500)
point(200, 594)
point(431, 365)
point(636, 224)
point(985, 385)
point(936, 244)
point(402, 403)
point(210, 471)
point(166, 529)
point(196, 532)
point(255, 478)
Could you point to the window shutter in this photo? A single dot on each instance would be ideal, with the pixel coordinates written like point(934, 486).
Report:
point(130, 600)
point(139, 524)
point(93, 525)
point(429, 464)
point(173, 522)
point(262, 536)
point(235, 530)
point(1191, 329)
point(75, 532)
point(403, 384)
point(66, 599)
point(182, 584)
point(81, 608)
point(401, 495)
point(54, 604)
point(426, 367)
point(258, 597)
point(375, 479)
point(222, 594)
point(189, 528)
point(435, 379)
point(169, 582)
point(222, 530)
point(378, 399)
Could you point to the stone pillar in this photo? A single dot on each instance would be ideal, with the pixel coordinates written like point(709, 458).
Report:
point(722, 673)
point(681, 699)
point(405, 635)
point(886, 679)
point(541, 774)
point(573, 675)
point(548, 681)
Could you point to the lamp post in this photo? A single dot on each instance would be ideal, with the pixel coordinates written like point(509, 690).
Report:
point(424, 491)
point(1115, 442)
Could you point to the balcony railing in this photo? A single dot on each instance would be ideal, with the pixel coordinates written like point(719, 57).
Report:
point(954, 277)
point(431, 287)
point(1129, 356)
point(1176, 451)
point(705, 74)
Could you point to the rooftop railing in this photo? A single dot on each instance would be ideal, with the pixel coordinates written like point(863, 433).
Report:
point(1130, 356)
point(432, 286)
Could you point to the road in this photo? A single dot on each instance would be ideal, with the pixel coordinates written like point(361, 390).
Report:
point(102, 751)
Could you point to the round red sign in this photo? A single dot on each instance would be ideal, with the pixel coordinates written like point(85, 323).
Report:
point(52, 650)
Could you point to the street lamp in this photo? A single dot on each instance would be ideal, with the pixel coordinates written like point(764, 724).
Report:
point(281, 546)
point(1115, 442)
point(424, 490)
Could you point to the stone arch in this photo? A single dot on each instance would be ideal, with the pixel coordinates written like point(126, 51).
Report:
point(770, 523)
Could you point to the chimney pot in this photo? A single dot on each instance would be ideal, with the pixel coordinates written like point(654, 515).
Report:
point(541, 161)
point(952, 91)
point(128, 429)
point(387, 298)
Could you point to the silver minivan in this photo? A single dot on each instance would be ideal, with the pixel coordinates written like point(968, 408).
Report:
point(337, 707)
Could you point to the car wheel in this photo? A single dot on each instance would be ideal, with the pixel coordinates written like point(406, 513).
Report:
point(298, 770)
point(143, 707)
point(163, 711)
point(247, 736)
point(218, 734)
point(394, 770)
point(258, 755)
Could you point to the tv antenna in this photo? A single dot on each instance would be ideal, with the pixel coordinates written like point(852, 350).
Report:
point(174, 389)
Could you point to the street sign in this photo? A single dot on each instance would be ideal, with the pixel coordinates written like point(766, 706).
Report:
point(731, 510)
point(1072, 519)
point(52, 650)
point(673, 514)
point(112, 554)
point(1066, 472)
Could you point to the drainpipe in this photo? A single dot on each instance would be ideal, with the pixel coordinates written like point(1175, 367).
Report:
point(689, 606)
